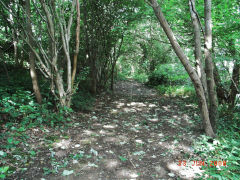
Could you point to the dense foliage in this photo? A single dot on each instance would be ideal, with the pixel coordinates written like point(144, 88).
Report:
point(118, 40)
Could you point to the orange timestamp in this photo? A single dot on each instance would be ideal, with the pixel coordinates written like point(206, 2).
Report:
point(203, 163)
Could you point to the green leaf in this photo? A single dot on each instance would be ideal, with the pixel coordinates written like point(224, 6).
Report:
point(33, 153)
point(122, 158)
point(10, 140)
point(2, 176)
point(4, 169)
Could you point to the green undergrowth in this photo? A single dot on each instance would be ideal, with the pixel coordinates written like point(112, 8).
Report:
point(141, 77)
point(82, 101)
point(121, 76)
point(176, 90)
point(19, 113)
point(171, 80)
point(168, 75)
point(225, 148)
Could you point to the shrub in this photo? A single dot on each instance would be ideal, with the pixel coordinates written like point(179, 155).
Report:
point(142, 77)
point(82, 101)
point(168, 74)
point(176, 90)
point(21, 107)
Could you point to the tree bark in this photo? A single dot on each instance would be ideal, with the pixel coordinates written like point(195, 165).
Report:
point(33, 72)
point(77, 43)
point(212, 95)
point(197, 45)
point(186, 63)
point(234, 85)
point(4, 65)
point(222, 94)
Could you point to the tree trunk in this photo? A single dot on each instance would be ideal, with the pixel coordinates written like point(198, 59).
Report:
point(4, 65)
point(186, 63)
point(197, 45)
point(15, 42)
point(212, 95)
point(112, 77)
point(33, 73)
point(235, 76)
point(234, 85)
point(77, 43)
point(93, 76)
point(222, 94)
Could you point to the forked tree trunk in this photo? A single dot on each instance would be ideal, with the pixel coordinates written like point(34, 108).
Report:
point(186, 63)
point(33, 73)
point(212, 95)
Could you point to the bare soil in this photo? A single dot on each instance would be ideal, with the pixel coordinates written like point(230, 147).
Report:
point(132, 133)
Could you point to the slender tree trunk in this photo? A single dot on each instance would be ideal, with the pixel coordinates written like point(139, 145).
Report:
point(112, 77)
point(33, 72)
point(235, 77)
point(15, 42)
point(222, 94)
point(234, 85)
point(4, 65)
point(77, 43)
point(212, 95)
point(197, 42)
point(93, 75)
point(89, 52)
point(186, 63)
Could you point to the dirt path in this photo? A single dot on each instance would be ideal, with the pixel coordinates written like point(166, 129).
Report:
point(132, 134)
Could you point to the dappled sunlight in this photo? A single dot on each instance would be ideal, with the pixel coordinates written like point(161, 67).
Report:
point(117, 140)
point(114, 111)
point(152, 105)
point(106, 133)
point(111, 164)
point(167, 108)
point(97, 125)
point(173, 122)
point(120, 104)
point(184, 148)
point(110, 126)
point(126, 173)
point(88, 132)
point(153, 119)
point(187, 171)
point(139, 141)
point(138, 104)
point(110, 140)
point(129, 110)
point(87, 140)
point(63, 144)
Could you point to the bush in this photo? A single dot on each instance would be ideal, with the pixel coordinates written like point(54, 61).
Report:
point(176, 90)
point(82, 101)
point(168, 74)
point(142, 77)
point(21, 106)
point(121, 76)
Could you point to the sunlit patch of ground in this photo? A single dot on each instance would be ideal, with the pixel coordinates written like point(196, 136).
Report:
point(133, 134)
